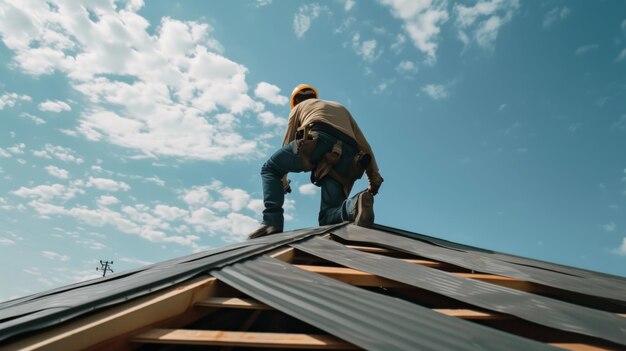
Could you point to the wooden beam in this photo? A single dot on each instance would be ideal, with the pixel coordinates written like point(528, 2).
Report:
point(83, 333)
point(352, 276)
point(471, 314)
point(370, 249)
point(233, 302)
point(283, 254)
point(360, 278)
point(427, 263)
point(245, 326)
point(577, 346)
point(242, 339)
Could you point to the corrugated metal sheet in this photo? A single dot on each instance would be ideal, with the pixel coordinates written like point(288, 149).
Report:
point(52, 307)
point(605, 288)
point(366, 319)
point(538, 309)
point(504, 257)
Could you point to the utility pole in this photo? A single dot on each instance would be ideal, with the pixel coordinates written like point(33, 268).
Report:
point(105, 267)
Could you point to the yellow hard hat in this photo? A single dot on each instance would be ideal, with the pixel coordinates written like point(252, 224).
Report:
point(297, 90)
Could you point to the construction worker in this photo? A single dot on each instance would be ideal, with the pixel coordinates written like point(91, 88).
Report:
point(321, 137)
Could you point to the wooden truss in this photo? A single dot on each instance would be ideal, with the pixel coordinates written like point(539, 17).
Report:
point(168, 319)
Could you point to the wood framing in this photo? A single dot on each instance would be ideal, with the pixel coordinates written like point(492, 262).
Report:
point(123, 319)
point(233, 302)
point(360, 278)
point(166, 317)
point(245, 339)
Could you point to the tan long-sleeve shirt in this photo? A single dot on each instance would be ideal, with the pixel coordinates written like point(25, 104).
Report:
point(333, 114)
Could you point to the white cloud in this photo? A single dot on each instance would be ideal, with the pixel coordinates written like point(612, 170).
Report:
point(48, 192)
point(154, 88)
point(197, 196)
point(4, 153)
point(59, 152)
point(33, 118)
point(17, 149)
point(6, 241)
point(622, 249)
point(308, 189)
point(91, 244)
point(270, 93)
point(348, 5)
point(170, 213)
point(261, 3)
point(398, 43)
point(57, 172)
point(621, 56)
point(482, 22)
point(586, 49)
point(305, 15)
point(406, 68)
point(55, 256)
point(54, 106)
point(106, 184)
point(107, 200)
point(256, 206)
point(380, 88)
point(136, 261)
point(436, 91)
point(237, 198)
point(554, 15)
point(133, 220)
point(156, 180)
point(10, 99)
point(366, 49)
point(422, 21)
point(609, 227)
point(268, 118)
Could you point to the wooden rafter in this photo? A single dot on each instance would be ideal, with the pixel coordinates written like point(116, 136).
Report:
point(125, 318)
point(360, 278)
point(243, 339)
point(233, 302)
point(246, 303)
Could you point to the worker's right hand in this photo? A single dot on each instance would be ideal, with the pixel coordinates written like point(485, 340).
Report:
point(287, 185)
point(375, 182)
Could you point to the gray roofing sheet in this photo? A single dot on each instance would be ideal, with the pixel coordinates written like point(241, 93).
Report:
point(502, 256)
point(605, 288)
point(538, 309)
point(366, 319)
point(52, 307)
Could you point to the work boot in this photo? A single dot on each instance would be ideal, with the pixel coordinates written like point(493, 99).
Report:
point(364, 216)
point(265, 230)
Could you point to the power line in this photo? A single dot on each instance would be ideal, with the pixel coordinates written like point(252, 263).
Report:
point(105, 267)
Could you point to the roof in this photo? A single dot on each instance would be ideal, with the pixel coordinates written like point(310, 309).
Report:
point(339, 287)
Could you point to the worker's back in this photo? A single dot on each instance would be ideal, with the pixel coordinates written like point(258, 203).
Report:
point(321, 111)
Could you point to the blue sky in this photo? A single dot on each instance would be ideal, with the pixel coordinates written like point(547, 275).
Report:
point(135, 132)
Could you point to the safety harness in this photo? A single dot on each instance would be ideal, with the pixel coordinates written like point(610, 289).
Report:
point(306, 142)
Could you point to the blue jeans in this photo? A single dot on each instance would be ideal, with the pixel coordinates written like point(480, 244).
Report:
point(333, 207)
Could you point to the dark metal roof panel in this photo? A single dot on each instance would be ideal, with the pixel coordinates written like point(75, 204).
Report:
point(605, 288)
point(538, 309)
point(366, 319)
point(580, 272)
point(52, 307)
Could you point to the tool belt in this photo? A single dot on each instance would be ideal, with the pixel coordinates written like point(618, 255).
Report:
point(306, 142)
